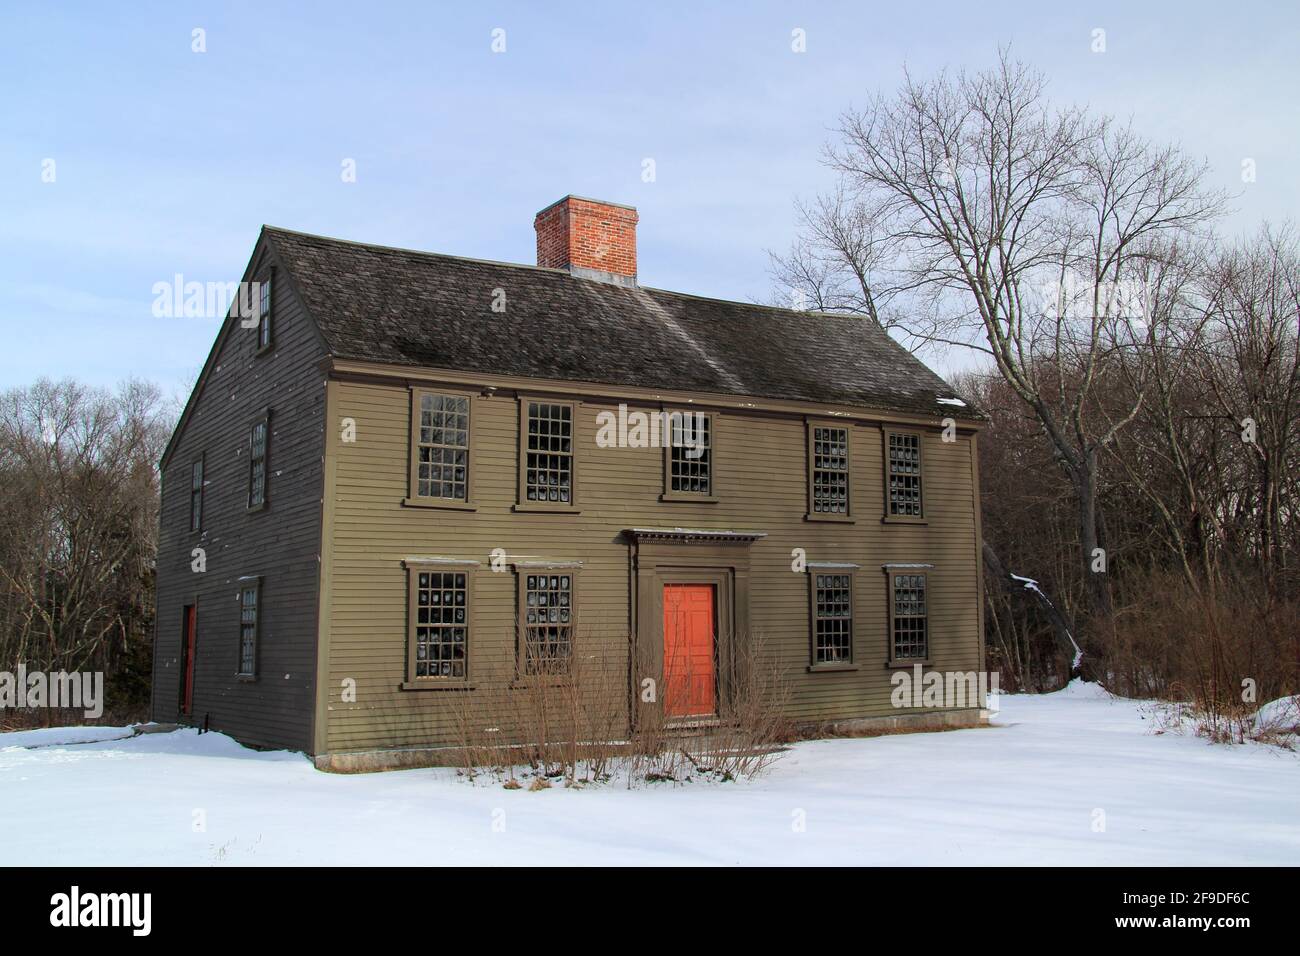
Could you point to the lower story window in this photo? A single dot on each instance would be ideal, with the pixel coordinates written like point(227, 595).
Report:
point(547, 622)
point(249, 599)
point(908, 619)
point(441, 631)
point(832, 618)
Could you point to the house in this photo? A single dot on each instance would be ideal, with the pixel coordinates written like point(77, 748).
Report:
point(410, 474)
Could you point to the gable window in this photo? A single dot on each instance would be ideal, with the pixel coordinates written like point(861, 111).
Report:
point(264, 312)
point(546, 597)
point(832, 615)
point(828, 472)
point(440, 435)
point(688, 459)
point(546, 477)
point(250, 593)
point(196, 494)
point(439, 624)
point(903, 476)
point(258, 440)
point(908, 621)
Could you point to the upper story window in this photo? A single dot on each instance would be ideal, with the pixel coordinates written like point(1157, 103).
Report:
point(264, 312)
point(546, 599)
point(908, 618)
point(546, 456)
point(196, 494)
point(832, 615)
point(439, 624)
point(903, 476)
point(688, 459)
point(258, 449)
point(440, 434)
point(828, 472)
point(250, 595)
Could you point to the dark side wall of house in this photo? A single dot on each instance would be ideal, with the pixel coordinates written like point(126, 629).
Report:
point(280, 543)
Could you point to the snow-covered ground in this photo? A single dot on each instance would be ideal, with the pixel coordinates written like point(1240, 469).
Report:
point(1030, 790)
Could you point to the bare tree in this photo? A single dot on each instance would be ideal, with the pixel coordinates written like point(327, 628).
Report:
point(1003, 224)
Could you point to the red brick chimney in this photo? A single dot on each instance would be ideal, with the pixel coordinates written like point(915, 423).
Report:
point(590, 238)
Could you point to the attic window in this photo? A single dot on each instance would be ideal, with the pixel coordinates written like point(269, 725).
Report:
point(196, 494)
point(903, 476)
point(264, 312)
point(546, 478)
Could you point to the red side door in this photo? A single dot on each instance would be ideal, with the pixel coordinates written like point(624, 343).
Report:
point(187, 649)
point(690, 687)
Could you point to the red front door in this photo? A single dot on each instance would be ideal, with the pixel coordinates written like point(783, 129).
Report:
point(689, 686)
point(187, 674)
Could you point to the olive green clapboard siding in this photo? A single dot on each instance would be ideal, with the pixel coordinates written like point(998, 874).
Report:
point(280, 543)
point(760, 468)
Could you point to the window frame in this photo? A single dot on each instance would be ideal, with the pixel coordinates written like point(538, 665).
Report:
point(253, 583)
point(522, 570)
point(812, 569)
point(413, 569)
point(196, 515)
point(811, 426)
point(665, 438)
point(521, 499)
point(888, 517)
point(923, 571)
point(265, 421)
point(265, 313)
point(413, 498)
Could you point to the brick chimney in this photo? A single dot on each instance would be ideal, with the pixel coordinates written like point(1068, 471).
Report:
point(589, 238)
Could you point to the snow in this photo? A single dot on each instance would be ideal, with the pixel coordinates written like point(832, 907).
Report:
point(1278, 716)
point(1028, 790)
point(53, 736)
point(951, 401)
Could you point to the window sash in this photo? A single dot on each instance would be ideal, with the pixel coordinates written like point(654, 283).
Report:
point(264, 312)
point(258, 441)
point(250, 600)
point(829, 471)
point(909, 615)
point(441, 435)
point(196, 494)
point(547, 615)
point(547, 460)
point(832, 614)
point(690, 454)
point(904, 475)
point(439, 631)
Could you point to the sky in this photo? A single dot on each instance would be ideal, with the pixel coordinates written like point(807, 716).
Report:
point(128, 156)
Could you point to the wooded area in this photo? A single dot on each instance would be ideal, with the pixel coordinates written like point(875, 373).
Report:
point(1141, 374)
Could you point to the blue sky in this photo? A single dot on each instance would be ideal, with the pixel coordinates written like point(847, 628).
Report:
point(167, 161)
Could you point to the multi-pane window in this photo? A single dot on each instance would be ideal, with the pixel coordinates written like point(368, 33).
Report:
point(441, 632)
point(196, 495)
point(547, 622)
point(257, 441)
point(830, 471)
point(903, 457)
point(548, 451)
point(264, 313)
point(908, 617)
point(442, 447)
point(248, 607)
point(690, 454)
point(832, 617)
